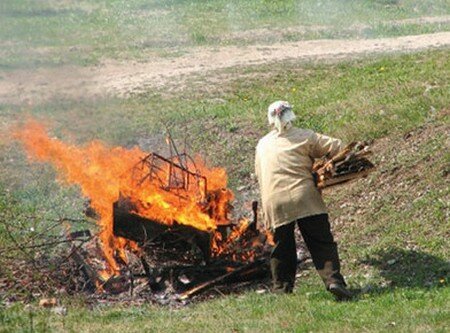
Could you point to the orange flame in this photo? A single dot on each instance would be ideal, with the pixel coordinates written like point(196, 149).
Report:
point(235, 234)
point(104, 173)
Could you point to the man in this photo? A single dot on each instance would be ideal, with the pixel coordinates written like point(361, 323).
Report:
point(283, 166)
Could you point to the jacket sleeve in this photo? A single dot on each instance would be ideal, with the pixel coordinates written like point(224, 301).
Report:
point(322, 145)
point(256, 164)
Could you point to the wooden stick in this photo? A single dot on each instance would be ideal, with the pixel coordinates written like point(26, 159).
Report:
point(220, 279)
point(341, 179)
point(254, 224)
point(89, 272)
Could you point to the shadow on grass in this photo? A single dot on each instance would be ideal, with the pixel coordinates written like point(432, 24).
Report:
point(409, 269)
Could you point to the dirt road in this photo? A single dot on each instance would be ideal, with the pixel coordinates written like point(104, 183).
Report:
point(121, 79)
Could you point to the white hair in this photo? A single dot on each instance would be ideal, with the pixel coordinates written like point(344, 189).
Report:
point(280, 115)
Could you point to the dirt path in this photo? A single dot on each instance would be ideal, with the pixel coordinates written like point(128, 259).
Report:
point(121, 79)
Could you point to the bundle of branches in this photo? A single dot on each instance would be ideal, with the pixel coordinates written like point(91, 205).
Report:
point(349, 164)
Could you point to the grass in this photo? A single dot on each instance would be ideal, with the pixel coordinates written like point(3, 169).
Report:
point(54, 33)
point(391, 227)
point(308, 309)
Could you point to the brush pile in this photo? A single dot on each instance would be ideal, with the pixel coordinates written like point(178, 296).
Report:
point(349, 164)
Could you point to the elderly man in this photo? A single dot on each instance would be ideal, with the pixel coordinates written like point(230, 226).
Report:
point(283, 166)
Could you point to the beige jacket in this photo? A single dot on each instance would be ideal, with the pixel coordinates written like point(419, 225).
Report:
point(283, 164)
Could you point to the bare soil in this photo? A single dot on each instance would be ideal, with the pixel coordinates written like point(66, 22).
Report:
point(124, 78)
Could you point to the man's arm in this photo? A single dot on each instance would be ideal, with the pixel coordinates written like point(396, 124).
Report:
point(322, 145)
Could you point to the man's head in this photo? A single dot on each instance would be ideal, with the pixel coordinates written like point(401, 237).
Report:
point(280, 115)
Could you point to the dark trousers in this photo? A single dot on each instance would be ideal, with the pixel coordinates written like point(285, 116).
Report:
point(316, 232)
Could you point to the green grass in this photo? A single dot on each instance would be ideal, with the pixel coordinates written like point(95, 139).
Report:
point(54, 33)
point(394, 247)
point(308, 309)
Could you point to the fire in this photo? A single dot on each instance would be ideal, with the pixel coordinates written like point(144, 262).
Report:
point(104, 174)
point(224, 246)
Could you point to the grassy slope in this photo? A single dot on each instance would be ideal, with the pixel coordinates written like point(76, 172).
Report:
point(352, 100)
point(392, 226)
point(51, 33)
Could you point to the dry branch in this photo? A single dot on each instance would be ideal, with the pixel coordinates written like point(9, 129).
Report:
point(349, 164)
point(243, 271)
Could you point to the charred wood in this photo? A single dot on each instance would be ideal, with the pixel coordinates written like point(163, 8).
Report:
point(90, 274)
point(241, 274)
point(142, 230)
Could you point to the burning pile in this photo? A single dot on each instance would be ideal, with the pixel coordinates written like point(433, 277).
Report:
point(141, 199)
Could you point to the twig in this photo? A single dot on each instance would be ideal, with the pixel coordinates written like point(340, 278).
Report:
point(34, 246)
point(211, 283)
point(38, 271)
point(19, 246)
